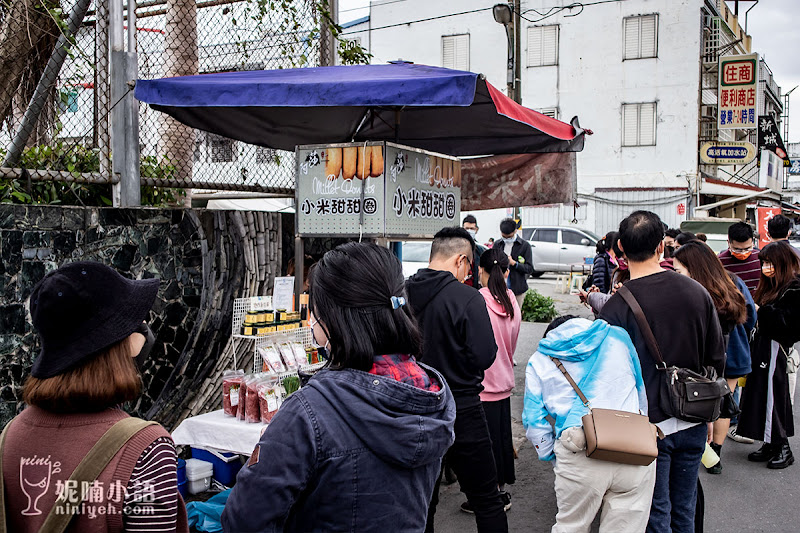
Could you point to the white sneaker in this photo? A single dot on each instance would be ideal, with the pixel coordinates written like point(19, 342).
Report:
point(738, 438)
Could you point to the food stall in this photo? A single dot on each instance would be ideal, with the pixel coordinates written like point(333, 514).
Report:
point(376, 150)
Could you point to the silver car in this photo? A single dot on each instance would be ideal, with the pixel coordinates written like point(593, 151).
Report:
point(559, 248)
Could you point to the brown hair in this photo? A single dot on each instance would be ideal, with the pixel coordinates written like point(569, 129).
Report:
point(781, 256)
point(705, 268)
point(106, 380)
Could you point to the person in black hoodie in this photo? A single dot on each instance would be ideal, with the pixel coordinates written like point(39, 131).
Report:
point(458, 342)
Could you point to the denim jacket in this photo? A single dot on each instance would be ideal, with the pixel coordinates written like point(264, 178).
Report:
point(350, 451)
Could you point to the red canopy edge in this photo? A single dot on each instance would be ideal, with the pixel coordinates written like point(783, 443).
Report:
point(509, 108)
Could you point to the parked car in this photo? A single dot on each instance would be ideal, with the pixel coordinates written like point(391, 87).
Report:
point(555, 248)
point(416, 255)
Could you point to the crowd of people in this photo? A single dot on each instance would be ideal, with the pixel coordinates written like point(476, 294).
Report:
point(419, 380)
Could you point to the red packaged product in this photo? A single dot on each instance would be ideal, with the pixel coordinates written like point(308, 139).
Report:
point(252, 404)
point(231, 385)
point(269, 400)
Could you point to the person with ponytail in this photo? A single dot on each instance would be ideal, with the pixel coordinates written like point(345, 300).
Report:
point(604, 263)
point(498, 381)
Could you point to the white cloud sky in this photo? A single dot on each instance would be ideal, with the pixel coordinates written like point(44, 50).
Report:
point(773, 24)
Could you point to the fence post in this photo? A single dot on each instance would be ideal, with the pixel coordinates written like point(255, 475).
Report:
point(125, 114)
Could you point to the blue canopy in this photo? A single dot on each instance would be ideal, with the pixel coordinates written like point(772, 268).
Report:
point(443, 110)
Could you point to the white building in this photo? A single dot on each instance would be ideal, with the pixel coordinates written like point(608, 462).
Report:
point(630, 70)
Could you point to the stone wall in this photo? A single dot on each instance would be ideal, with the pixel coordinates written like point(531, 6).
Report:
point(204, 259)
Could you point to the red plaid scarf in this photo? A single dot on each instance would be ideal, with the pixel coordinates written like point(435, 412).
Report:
point(403, 368)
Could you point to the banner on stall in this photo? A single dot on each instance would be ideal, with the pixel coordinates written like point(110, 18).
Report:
point(375, 189)
point(765, 214)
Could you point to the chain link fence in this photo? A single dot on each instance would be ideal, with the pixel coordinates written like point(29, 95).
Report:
point(173, 38)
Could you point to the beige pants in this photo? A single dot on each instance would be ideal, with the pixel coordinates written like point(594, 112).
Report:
point(584, 485)
point(520, 298)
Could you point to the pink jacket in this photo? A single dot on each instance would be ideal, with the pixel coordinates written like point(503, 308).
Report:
point(499, 378)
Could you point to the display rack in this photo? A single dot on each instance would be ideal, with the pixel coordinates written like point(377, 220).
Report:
point(301, 335)
point(240, 308)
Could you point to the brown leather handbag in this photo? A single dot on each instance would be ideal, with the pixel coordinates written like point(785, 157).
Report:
point(616, 436)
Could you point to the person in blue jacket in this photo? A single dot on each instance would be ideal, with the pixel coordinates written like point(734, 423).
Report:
point(604, 263)
point(360, 447)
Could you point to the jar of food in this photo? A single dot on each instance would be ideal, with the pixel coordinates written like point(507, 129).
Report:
point(249, 330)
point(251, 317)
point(282, 315)
point(269, 316)
point(261, 329)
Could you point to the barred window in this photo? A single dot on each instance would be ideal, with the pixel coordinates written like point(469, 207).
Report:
point(221, 149)
point(266, 156)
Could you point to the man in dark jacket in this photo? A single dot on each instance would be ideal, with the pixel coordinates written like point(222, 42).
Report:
point(695, 344)
point(470, 223)
point(520, 258)
point(458, 341)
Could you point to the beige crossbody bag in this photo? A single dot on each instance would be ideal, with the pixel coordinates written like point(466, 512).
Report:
point(616, 436)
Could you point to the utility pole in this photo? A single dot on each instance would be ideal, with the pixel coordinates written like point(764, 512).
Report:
point(125, 114)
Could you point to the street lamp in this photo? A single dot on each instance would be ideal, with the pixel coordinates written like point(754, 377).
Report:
point(503, 14)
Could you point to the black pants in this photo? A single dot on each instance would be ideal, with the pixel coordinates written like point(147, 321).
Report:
point(471, 459)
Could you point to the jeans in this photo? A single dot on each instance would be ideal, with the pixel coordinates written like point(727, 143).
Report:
point(472, 460)
point(675, 494)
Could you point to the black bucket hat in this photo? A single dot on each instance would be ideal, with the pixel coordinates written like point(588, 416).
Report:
point(81, 309)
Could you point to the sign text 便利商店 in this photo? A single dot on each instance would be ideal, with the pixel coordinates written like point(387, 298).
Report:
point(738, 89)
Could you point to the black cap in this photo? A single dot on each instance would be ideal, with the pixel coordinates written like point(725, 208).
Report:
point(81, 309)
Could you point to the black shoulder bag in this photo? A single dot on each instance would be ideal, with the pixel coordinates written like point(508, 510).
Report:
point(684, 393)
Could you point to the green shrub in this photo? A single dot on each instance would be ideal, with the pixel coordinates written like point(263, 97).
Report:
point(538, 308)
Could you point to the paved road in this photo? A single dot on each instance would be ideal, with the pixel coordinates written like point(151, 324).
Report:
point(746, 497)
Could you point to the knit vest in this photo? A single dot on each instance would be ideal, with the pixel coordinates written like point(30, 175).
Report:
point(42, 449)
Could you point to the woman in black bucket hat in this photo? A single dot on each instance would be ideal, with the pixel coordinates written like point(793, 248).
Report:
point(73, 460)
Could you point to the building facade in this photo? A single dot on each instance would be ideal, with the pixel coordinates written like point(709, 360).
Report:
point(640, 73)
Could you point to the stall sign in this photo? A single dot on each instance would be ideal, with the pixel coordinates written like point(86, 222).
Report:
point(738, 88)
point(727, 153)
point(765, 214)
point(423, 192)
point(340, 189)
point(794, 169)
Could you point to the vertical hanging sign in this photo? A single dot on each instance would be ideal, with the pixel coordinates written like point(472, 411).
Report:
point(738, 89)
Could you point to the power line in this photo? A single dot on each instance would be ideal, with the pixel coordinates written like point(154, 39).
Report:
point(421, 20)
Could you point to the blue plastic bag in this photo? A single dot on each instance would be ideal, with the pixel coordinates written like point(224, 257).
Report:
point(207, 516)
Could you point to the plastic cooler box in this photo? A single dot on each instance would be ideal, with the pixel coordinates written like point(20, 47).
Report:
point(226, 464)
point(198, 475)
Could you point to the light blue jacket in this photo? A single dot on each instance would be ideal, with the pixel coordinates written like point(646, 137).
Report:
point(602, 361)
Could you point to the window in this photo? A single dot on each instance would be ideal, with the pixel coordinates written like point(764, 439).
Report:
point(572, 237)
point(455, 51)
point(551, 112)
point(640, 37)
point(266, 156)
point(639, 124)
point(417, 252)
point(546, 235)
point(526, 233)
point(542, 45)
point(222, 149)
point(69, 101)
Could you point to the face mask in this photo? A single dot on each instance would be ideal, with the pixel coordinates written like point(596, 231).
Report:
point(509, 240)
point(623, 265)
point(314, 343)
point(149, 342)
point(768, 271)
point(472, 233)
point(740, 255)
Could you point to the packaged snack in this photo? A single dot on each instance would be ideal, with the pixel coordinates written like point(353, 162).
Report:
point(231, 385)
point(269, 399)
point(252, 405)
point(287, 353)
point(271, 359)
point(243, 397)
point(300, 354)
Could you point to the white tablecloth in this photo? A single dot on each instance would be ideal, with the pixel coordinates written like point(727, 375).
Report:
point(215, 430)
